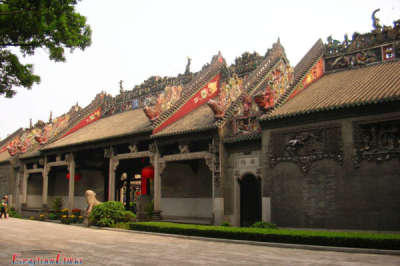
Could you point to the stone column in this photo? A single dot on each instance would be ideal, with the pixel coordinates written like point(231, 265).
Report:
point(266, 179)
point(17, 190)
point(157, 182)
point(214, 164)
point(25, 186)
point(45, 191)
point(71, 184)
point(111, 178)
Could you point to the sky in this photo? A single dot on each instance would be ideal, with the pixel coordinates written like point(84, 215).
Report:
point(135, 39)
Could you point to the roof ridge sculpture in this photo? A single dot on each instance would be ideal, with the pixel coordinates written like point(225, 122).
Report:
point(382, 43)
point(4, 142)
point(200, 79)
point(255, 79)
point(300, 70)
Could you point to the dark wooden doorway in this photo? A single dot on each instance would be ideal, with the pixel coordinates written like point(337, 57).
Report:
point(250, 200)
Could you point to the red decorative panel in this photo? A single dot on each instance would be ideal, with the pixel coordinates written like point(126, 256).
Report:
point(312, 75)
point(88, 120)
point(201, 97)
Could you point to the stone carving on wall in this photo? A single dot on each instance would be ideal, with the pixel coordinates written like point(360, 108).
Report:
point(305, 146)
point(376, 141)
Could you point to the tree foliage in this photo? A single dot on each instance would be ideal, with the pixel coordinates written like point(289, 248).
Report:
point(53, 25)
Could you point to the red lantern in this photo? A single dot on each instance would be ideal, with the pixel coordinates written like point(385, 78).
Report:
point(148, 172)
point(76, 178)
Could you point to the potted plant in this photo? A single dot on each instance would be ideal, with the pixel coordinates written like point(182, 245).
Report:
point(57, 205)
point(80, 219)
point(73, 218)
point(76, 212)
point(42, 217)
point(65, 219)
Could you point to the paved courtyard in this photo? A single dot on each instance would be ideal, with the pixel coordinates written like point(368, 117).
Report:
point(31, 239)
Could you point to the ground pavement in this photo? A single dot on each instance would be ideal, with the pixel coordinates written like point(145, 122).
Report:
point(27, 239)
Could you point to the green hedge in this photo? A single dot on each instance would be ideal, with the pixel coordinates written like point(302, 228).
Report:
point(110, 212)
point(321, 238)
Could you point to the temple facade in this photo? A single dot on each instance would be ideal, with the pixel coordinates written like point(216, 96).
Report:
point(315, 145)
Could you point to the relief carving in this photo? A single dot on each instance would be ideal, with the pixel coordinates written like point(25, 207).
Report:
point(305, 146)
point(379, 141)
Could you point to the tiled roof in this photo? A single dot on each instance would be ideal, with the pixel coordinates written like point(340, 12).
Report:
point(118, 125)
point(30, 154)
point(199, 119)
point(244, 137)
point(350, 88)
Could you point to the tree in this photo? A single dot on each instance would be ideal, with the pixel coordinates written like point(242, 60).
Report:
point(53, 25)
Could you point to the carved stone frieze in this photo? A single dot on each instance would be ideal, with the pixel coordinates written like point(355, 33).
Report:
point(114, 164)
point(305, 146)
point(108, 152)
point(376, 141)
point(133, 148)
point(183, 148)
point(162, 164)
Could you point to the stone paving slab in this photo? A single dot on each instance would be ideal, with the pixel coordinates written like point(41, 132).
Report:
point(110, 247)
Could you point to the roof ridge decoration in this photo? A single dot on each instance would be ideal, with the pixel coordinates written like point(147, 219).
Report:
point(147, 93)
point(5, 142)
point(41, 133)
point(379, 45)
point(199, 90)
point(45, 133)
point(308, 70)
point(236, 91)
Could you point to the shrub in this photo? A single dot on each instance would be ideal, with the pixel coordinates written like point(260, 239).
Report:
point(57, 204)
point(52, 216)
point(13, 213)
point(121, 226)
point(149, 208)
point(109, 213)
point(105, 222)
point(225, 224)
point(261, 224)
point(128, 216)
point(307, 237)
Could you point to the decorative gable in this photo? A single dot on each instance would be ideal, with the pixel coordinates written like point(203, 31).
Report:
point(277, 82)
point(312, 75)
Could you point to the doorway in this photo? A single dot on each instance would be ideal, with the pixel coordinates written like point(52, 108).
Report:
point(250, 200)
